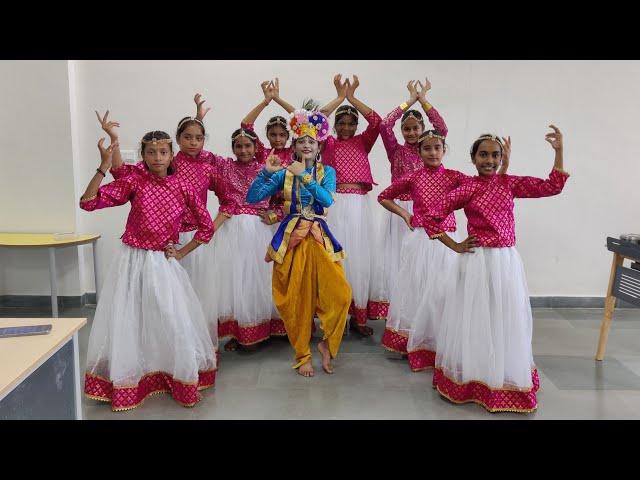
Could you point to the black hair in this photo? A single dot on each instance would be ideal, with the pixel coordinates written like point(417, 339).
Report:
point(250, 134)
point(346, 110)
point(416, 114)
point(482, 138)
point(277, 121)
point(425, 135)
point(187, 122)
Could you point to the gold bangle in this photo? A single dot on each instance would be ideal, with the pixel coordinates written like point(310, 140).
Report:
point(404, 106)
point(426, 105)
point(437, 235)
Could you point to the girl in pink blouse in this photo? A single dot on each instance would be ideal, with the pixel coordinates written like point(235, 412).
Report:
point(149, 333)
point(351, 218)
point(417, 296)
point(192, 163)
point(278, 135)
point(484, 345)
point(404, 159)
point(238, 296)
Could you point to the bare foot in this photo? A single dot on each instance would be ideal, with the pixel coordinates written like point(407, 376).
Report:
point(361, 329)
point(306, 369)
point(326, 356)
point(231, 345)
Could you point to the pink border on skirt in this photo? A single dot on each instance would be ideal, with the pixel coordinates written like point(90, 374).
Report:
point(494, 400)
point(392, 340)
point(127, 398)
point(252, 334)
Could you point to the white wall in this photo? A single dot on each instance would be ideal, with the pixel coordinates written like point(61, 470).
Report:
point(36, 180)
point(561, 239)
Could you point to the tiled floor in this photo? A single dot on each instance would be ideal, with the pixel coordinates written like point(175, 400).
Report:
point(371, 383)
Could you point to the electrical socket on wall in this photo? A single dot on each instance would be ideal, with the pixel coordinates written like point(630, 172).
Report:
point(129, 156)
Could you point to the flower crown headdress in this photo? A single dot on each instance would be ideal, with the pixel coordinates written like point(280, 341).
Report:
point(314, 124)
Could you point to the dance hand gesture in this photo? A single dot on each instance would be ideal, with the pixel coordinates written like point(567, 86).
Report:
point(170, 251)
point(107, 126)
point(267, 90)
point(506, 152)
point(341, 87)
point(273, 164)
point(406, 216)
point(105, 154)
point(413, 93)
point(554, 138)
point(467, 245)
point(296, 168)
point(275, 88)
point(351, 87)
point(422, 95)
point(200, 110)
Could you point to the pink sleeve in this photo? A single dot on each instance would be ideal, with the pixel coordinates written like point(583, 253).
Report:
point(112, 194)
point(454, 200)
point(216, 172)
point(386, 131)
point(532, 187)
point(123, 170)
point(437, 121)
point(201, 214)
point(370, 135)
point(397, 188)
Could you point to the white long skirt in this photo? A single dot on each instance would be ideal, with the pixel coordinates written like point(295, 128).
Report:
point(418, 296)
point(484, 349)
point(148, 334)
point(234, 281)
point(394, 230)
point(350, 219)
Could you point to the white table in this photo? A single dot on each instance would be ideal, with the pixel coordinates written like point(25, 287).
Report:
point(52, 241)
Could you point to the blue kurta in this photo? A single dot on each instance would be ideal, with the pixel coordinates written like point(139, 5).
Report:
point(309, 201)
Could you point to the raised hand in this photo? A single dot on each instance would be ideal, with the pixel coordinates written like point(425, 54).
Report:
point(106, 154)
point(275, 84)
point(467, 245)
point(273, 164)
point(266, 90)
point(413, 93)
point(422, 95)
point(506, 150)
point(200, 110)
point(341, 87)
point(107, 126)
point(351, 86)
point(554, 138)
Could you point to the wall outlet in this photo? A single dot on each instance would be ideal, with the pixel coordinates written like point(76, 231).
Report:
point(129, 156)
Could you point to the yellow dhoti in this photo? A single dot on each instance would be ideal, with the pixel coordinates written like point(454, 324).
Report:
point(309, 282)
